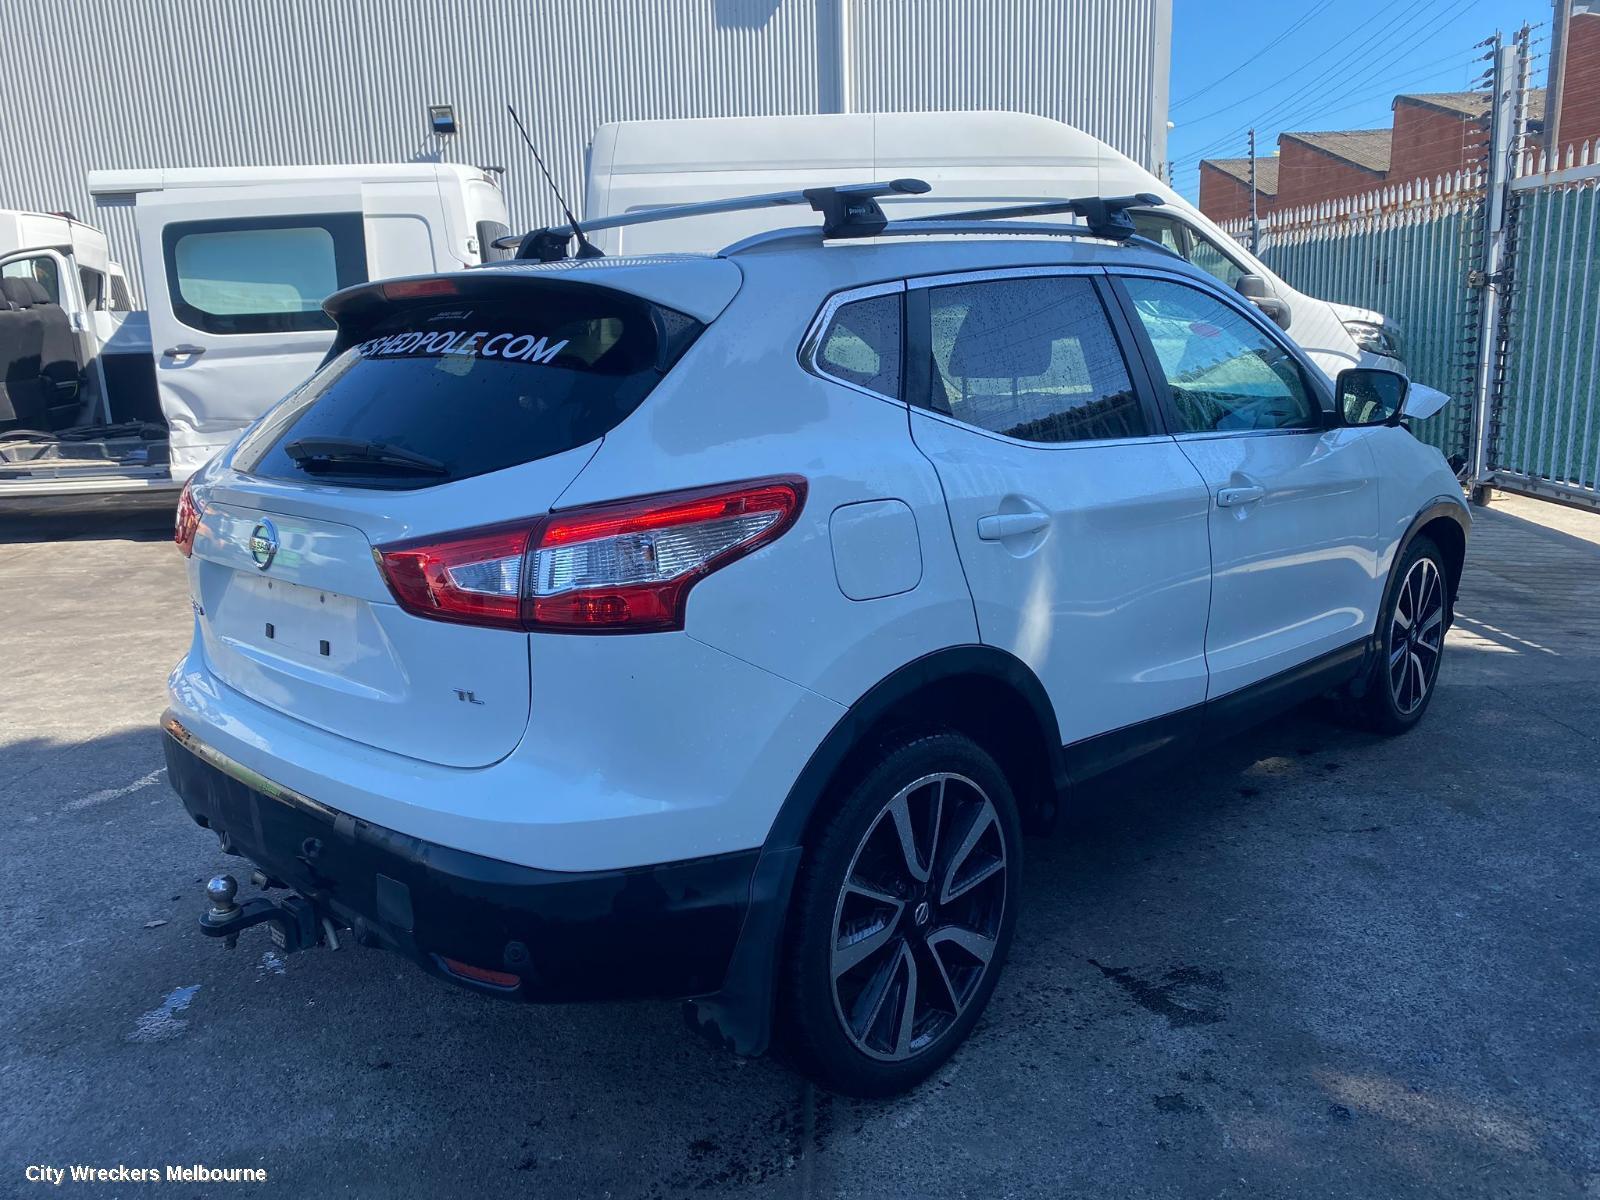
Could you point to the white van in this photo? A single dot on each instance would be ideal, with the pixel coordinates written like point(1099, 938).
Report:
point(235, 264)
point(970, 158)
point(63, 298)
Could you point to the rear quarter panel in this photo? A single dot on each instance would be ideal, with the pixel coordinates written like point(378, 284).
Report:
point(740, 406)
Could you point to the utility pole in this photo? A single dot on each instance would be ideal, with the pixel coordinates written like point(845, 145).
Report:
point(1555, 82)
point(1255, 216)
point(1510, 70)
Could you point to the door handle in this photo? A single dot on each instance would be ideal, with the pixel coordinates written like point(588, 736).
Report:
point(182, 349)
point(1232, 497)
point(996, 526)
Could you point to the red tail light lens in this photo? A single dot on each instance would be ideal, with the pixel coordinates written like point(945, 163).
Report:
point(613, 568)
point(188, 520)
point(473, 577)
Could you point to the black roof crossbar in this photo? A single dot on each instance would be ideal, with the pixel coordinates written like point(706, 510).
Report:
point(849, 210)
point(1104, 216)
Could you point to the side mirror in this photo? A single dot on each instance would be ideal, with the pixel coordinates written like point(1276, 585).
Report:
point(1259, 292)
point(1368, 396)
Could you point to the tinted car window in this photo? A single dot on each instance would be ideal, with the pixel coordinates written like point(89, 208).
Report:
point(1224, 373)
point(861, 345)
point(474, 387)
point(1033, 359)
point(263, 274)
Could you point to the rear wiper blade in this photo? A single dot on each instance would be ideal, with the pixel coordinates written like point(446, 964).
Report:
point(314, 453)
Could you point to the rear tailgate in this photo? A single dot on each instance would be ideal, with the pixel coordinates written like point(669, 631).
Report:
point(449, 404)
point(315, 633)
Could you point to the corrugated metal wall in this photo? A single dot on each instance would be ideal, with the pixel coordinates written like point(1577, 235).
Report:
point(192, 83)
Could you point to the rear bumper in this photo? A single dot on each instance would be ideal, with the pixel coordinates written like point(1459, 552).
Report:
point(667, 930)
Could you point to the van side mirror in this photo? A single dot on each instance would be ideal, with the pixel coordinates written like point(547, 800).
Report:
point(1259, 292)
point(1368, 396)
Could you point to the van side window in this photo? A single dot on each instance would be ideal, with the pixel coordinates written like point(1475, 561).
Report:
point(1188, 243)
point(1225, 374)
point(861, 345)
point(261, 274)
point(1205, 254)
point(41, 270)
point(1033, 359)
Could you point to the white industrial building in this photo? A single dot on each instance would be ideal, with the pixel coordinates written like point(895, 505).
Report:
point(92, 84)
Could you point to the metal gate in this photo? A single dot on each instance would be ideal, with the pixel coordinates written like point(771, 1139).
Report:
point(1495, 279)
point(1547, 432)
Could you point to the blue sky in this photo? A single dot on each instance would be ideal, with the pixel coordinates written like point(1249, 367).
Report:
point(1319, 64)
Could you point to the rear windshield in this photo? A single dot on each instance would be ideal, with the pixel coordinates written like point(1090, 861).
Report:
point(431, 394)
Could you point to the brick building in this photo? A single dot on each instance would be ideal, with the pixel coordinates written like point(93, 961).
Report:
point(1580, 98)
point(1225, 187)
point(1320, 166)
point(1433, 134)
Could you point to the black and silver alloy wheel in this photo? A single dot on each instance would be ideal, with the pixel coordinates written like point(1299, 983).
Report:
point(903, 909)
point(1416, 636)
point(918, 916)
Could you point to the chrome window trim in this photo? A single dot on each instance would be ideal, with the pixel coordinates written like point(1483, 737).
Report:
point(812, 342)
point(990, 274)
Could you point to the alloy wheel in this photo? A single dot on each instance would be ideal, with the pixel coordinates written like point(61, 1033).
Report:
point(1416, 636)
point(918, 917)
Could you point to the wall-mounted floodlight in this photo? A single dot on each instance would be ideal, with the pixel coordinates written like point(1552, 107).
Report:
point(442, 118)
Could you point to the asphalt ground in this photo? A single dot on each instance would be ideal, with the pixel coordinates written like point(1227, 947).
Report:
point(1309, 962)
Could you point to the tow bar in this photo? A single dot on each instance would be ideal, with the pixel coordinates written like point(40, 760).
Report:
point(292, 923)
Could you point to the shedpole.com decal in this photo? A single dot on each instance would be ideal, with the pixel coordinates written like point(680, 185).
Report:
point(514, 347)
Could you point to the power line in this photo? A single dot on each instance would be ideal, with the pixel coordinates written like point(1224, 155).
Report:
point(1294, 74)
point(1311, 97)
point(1322, 82)
point(1320, 8)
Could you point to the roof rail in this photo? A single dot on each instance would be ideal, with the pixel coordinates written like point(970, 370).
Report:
point(943, 226)
point(848, 211)
point(1104, 216)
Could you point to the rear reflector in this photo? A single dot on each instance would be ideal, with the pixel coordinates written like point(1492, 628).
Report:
point(613, 568)
point(499, 979)
point(409, 289)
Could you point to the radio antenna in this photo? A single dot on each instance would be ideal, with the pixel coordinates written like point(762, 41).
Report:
point(586, 248)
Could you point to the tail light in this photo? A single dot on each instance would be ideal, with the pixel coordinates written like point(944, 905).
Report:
point(188, 520)
point(611, 568)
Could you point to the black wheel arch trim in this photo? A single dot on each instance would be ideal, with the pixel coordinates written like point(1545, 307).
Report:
point(740, 1016)
point(1453, 507)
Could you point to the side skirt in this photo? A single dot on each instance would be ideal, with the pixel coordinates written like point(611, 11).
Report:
point(1220, 717)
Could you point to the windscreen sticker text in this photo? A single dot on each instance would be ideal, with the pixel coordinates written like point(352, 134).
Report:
point(516, 347)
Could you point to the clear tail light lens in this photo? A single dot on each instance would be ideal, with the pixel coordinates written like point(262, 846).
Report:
point(188, 520)
point(614, 568)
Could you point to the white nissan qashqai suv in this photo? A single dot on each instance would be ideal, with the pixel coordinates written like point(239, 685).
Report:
point(712, 626)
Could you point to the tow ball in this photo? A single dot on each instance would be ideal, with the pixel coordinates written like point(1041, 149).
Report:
point(292, 923)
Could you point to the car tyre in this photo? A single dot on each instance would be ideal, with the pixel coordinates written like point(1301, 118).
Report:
point(1411, 632)
point(902, 915)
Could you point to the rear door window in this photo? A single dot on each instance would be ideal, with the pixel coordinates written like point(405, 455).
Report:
point(262, 274)
point(1033, 358)
point(430, 394)
point(861, 345)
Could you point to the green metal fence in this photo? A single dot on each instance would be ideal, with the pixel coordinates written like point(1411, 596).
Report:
point(1548, 435)
point(1404, 252)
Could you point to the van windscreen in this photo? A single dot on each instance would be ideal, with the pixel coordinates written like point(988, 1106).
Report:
point(429, 394)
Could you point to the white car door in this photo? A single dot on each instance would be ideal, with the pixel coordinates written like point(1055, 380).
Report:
point(1294, 503)
point(235, 298)
point(1081, 525)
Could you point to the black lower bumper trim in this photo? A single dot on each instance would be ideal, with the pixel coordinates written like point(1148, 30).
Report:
point(660, 931)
